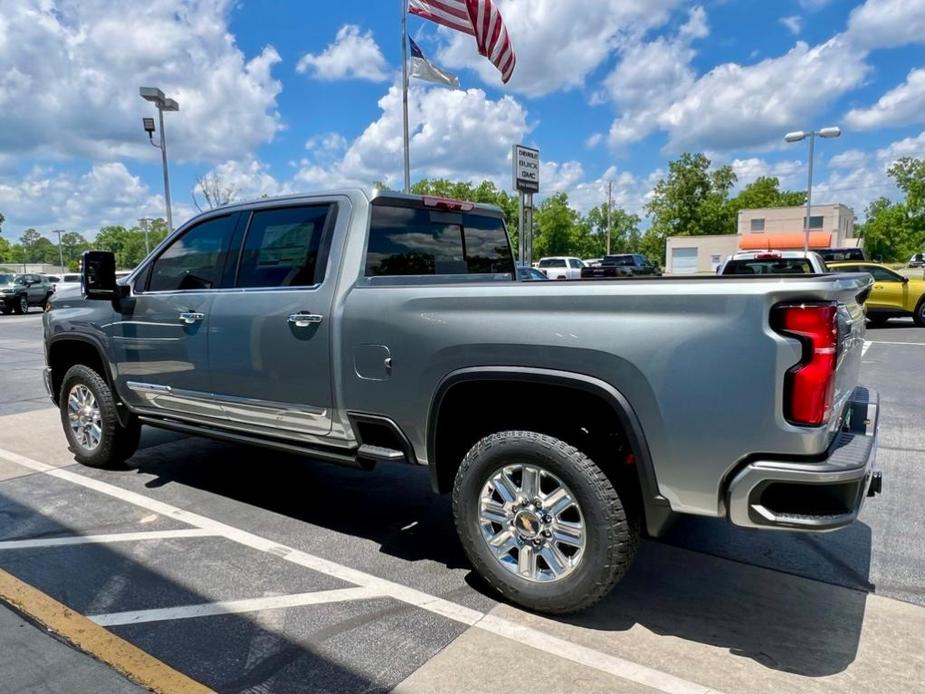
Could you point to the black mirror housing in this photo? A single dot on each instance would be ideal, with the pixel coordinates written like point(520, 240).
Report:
point(98, 274)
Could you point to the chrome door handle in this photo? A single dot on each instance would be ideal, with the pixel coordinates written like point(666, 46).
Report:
point(303, 319)
point(191, 317)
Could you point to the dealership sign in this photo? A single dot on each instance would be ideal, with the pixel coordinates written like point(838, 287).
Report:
point(526, 169)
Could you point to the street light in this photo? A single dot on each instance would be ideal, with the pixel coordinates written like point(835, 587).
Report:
point(796, 136)
point(156, 96)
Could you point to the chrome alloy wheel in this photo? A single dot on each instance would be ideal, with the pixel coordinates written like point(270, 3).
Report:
point(532, 523)
point(85, 418)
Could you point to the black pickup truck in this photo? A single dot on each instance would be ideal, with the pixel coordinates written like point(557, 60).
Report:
point(623, 265)
point(19, 292)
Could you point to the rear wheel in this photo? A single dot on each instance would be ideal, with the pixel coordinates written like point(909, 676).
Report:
point(541, 522)
point(91, 423)
point(919, 315)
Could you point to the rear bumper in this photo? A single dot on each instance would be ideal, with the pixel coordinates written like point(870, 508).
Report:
point(813, 495)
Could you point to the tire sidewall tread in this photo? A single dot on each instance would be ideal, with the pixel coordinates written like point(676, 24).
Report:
point(117, 443)
point(612, 536)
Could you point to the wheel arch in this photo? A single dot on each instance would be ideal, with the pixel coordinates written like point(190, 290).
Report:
point(656, 509)
point(67, 350)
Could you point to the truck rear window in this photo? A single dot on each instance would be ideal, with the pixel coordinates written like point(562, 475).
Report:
point(783, 266)
point(418, 241)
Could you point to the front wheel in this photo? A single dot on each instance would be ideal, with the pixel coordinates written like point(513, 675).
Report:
point(541, 522)
point(91, 423)
point(22, 305)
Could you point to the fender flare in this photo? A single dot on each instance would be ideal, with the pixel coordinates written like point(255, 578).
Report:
point(101, 353)
point(658, 512)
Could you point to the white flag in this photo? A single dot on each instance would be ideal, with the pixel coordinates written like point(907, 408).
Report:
point(423, 69)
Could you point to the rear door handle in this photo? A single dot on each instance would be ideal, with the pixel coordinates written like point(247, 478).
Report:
point(303, 319)
point(191, 317)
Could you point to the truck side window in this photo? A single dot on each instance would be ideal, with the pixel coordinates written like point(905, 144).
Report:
point(282, 247)
point(416, 241)
point(195, 260)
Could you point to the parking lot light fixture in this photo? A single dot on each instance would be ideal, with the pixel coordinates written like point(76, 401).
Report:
point(157, 97)
point(797, 136)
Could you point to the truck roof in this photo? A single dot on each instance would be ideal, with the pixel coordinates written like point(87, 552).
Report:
point(370, 195)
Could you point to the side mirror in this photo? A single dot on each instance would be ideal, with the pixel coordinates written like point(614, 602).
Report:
point(905, 280)
point(98, 274)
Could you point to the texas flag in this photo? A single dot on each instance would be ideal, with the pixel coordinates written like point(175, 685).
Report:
point(423, 69)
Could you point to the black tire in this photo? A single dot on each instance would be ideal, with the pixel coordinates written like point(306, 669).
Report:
point(919, 315)
point(612, 533)
point(117, 442)
point(21, 306)
point(877, 321)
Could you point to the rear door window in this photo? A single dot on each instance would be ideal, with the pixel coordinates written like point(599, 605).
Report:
point(283, 247)
point(782, 266)
point(419, 241)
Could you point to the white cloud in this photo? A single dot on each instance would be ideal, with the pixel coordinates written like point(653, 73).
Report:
point(649, 78)
point(558, 44)
point(856, 178)
point(887, 23)
point(353, 55)
point(794, 24)
point(106, 194)
point(250, 179)
point(788, 172)
point(449, 138)
point(71, 72)
point(902, 105)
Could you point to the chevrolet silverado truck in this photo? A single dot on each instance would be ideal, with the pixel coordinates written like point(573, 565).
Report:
point(566, 419)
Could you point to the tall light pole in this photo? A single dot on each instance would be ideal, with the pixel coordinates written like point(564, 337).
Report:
point(156, 96)
point(60, 248)
point(796, 136)
point(144, 222)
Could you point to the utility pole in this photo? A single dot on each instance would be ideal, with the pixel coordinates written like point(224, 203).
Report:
point(143, 222)
point(609, 203)
point(60, 248)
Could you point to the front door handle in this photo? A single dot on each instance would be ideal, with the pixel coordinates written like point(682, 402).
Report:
point(303, 319)
point(191, 317)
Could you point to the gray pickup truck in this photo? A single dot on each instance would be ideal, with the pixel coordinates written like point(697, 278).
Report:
point(566, 419)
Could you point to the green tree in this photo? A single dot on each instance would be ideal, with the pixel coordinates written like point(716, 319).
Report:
point(72, 245)
point(28, 240)
point(624, 235)
point(692, 200)
point(6, 251)
point(894, 231)
point(765, 192)
point(113, 238)
point(556, 227)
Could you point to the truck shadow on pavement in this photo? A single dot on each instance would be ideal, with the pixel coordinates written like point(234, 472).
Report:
point(788, 601)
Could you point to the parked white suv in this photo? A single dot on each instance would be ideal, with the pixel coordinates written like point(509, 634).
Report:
point(774, 263)
point(561, 267)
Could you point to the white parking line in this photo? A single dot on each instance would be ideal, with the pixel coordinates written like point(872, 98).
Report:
point(867, 344)
point(589, 657)
point(209, 609)
point(105, 539)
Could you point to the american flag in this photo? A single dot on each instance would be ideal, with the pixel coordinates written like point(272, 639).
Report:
point(479, 18)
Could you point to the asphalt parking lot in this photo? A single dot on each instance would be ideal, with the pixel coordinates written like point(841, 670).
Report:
point(243, 570)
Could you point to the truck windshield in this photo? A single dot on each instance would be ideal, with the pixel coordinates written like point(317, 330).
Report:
point(781, 266)
point(419, 241)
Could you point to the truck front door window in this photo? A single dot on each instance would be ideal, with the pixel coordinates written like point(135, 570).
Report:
point(195, 260)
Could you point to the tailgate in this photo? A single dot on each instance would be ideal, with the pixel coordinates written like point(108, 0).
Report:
point(852, 291)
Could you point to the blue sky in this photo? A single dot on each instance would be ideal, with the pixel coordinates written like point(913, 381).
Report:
point(292, 96)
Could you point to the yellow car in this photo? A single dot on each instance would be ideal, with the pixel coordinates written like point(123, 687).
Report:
point(893, 296)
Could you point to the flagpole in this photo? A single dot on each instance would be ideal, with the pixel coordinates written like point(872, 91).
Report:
point(404, 92)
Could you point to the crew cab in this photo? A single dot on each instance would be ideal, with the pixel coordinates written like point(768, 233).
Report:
point(623, 265)
point(391, 329)
point(20, 291)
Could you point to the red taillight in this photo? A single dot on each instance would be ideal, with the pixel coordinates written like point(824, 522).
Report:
point(447, 203)
point(810, 385)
